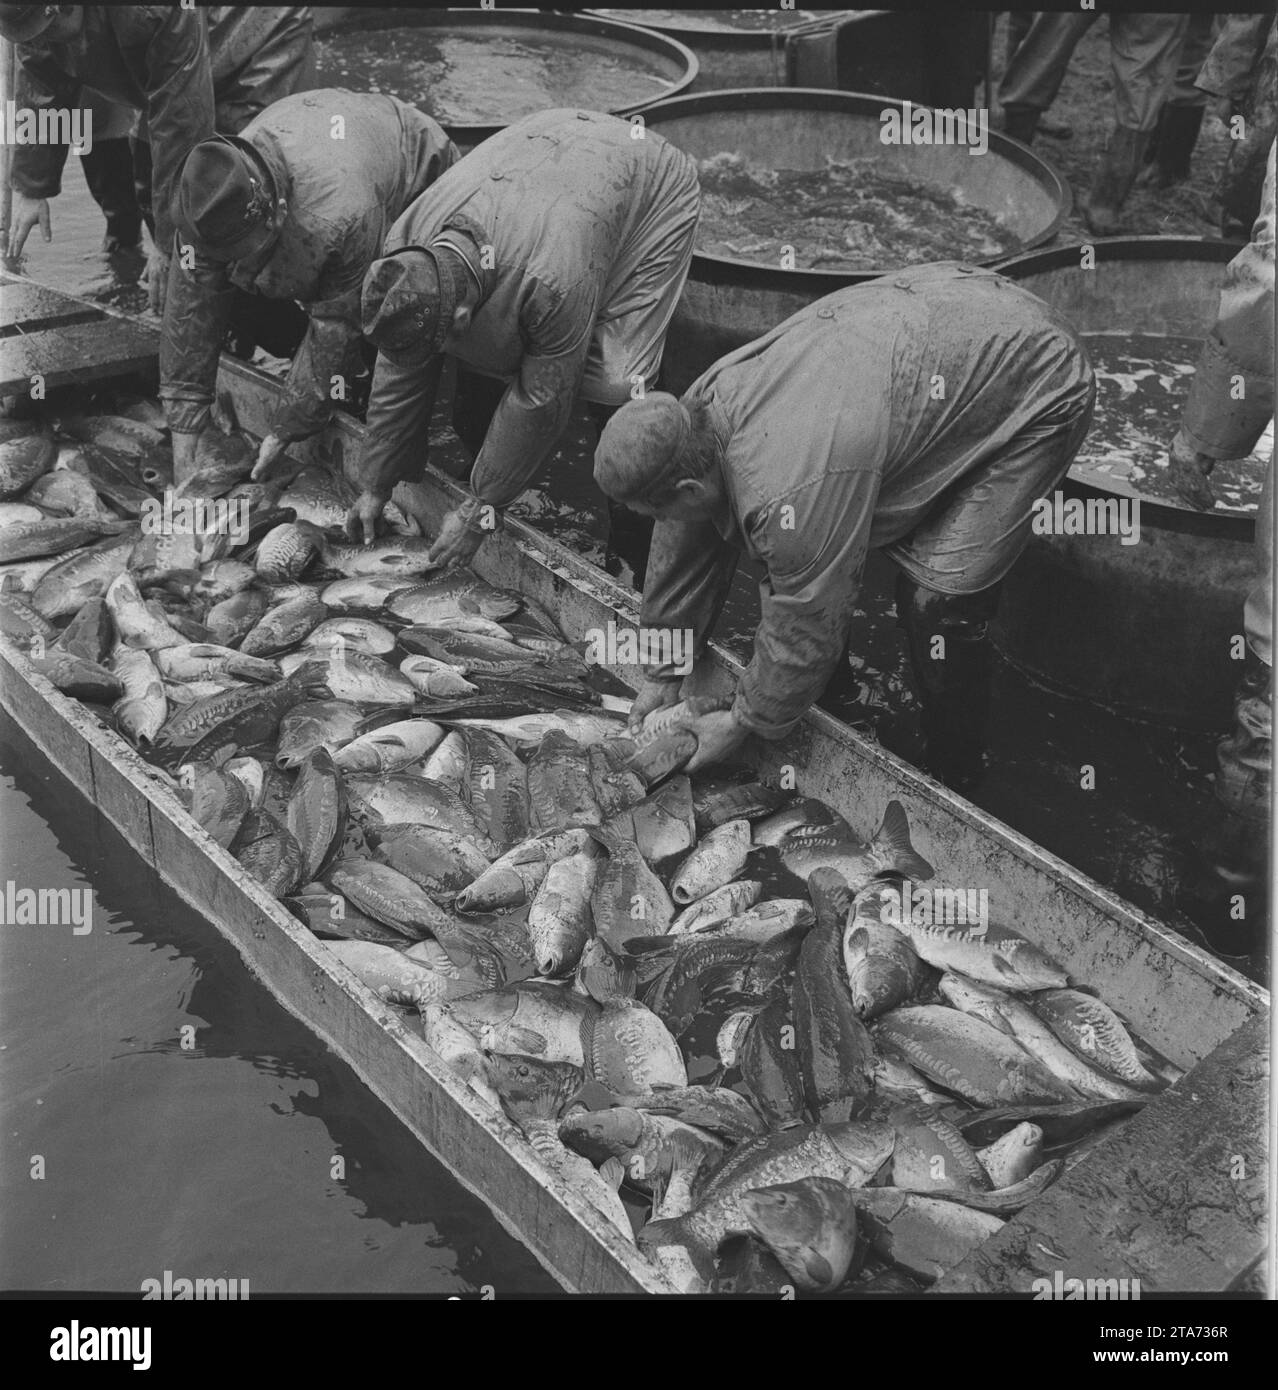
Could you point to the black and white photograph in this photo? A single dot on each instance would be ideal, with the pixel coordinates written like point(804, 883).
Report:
point(636, 653)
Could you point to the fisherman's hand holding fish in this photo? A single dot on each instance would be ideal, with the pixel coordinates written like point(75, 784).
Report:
point(1190, 473)
point(364, 514)
point(185, 448)
point(651, 696)
point(271, 448)
point(460, 536)
point(718, 736)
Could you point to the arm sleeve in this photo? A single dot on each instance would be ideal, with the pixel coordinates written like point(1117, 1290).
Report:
point(197, 311)
point(814, 543)
point(397, 436)
point(179, 112)
point(538, 402)
point(690, 569)
point(1218, 421)
point(36, 170)
point(329, 349)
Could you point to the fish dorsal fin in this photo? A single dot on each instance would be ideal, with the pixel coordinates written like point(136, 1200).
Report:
point(892, 845)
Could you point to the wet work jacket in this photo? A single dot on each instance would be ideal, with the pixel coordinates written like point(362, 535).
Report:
point(189, 72)
point(584, 234)
point(342, 196)
point(921, 414)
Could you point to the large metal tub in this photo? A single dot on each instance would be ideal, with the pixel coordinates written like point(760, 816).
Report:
point(728, 302)
point(729, 52)
point(663, 66)
point(1143, 629)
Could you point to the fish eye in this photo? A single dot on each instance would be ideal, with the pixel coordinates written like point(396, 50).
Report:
point(523, 1071)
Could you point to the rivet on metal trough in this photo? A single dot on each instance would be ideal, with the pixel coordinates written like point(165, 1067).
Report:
point(825, 313)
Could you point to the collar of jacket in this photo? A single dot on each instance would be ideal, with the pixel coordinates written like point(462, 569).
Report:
point(724, 519)
point(467, 239)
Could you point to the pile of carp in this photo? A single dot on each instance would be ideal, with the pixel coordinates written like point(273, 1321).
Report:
point(699, 998)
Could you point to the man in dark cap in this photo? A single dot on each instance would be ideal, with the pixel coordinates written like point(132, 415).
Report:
point(921, 415)
point(548, 262)
point(295, 208)
point(188, 72)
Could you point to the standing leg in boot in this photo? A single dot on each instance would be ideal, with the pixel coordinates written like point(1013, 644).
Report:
point(1036, 70)
point(1144, 54)
point(1181, 117)
point(953, 661)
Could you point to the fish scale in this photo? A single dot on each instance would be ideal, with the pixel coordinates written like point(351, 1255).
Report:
point(316, 815)
point(1094, 1031)
point(969, 1057)
point(560, 792)
point(496, 784)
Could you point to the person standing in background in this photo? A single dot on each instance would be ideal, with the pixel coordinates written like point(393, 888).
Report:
point(108, 170)
point(1222, 421)
point(1145, 53)
point(189, 72)
point(1241, 73)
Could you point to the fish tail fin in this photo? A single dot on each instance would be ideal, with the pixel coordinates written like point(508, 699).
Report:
point(613, 1172)
point(892, 845)
point(671, 1230)
point(686, 1154)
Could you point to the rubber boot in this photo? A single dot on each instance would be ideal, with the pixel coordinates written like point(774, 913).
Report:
point(1020, 123)
point(1113, 182)
point(108, 170)
point(953, 660)
point(1173, 145)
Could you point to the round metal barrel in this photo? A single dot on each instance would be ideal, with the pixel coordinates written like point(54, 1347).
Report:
point(476, 71)
point(1147, 629)
point(730, 301)
point(734, 48)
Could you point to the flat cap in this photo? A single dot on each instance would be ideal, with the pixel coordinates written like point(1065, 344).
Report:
point(408, 303)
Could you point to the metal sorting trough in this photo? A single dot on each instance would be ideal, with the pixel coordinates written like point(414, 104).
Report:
point(730, 53)
point(672, 66)
point(1157, 1199)
point(727, 301)
point(1144, 629)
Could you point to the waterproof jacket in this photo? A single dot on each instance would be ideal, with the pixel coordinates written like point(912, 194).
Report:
point(584, 237)
point(342, 196)
point(1219, 420)
point(188, 72)
point(840, 431)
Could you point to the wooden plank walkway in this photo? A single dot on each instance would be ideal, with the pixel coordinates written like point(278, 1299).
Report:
point(64, 341)
point(1176, 1198)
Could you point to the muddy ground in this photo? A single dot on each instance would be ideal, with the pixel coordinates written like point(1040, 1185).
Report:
point(1086, 105)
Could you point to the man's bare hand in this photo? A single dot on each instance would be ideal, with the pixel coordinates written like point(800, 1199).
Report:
point(271, 448)
point(27, 212)
point(1190, 472)
point(652, 696)
point(457, 542)
point(362, 519)
point(157, 279)
point(718, 737)
point(184, 450)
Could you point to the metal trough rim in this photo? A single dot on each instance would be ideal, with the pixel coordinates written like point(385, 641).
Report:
point(715, 269)
point(721, 38)
point(576, 23)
